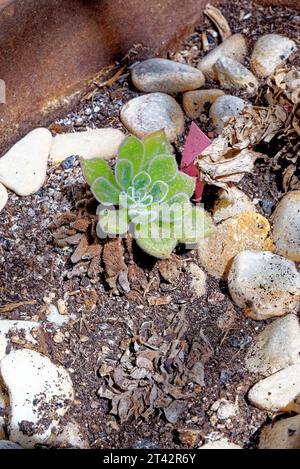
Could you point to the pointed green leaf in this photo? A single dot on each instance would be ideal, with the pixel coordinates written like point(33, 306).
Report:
point(163, 168)
point(196, 225)
point(159, 191)
point(141, 181)
point(95, 168)
point(105, 192)
point(156, 144)
point(124, 173)
point(132, 149)
point(175, 211)
point(156, 240)
point(182, 183)
point(112, 222)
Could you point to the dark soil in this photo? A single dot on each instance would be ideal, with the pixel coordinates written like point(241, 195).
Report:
point(33, 266)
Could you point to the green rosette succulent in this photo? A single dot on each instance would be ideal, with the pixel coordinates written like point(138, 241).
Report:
point(152, 196)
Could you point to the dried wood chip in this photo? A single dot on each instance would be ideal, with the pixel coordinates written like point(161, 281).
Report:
point(8, 307)
point(219, 20)
point(80, 250)
point(159, 300)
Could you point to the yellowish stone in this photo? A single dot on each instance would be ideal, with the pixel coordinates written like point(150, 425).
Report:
point(248, 230)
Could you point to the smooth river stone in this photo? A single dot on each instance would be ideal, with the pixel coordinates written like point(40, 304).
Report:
point(40, 393)
point(270, 52)
point(224, 107)
point(151, 112)
point(234, 76)
point(23, 168)
point(286, 226)
point(264, 284)
point(195, 102)
point(234, 47)
point(3, 196)
point(95, 143)
point(166, 76)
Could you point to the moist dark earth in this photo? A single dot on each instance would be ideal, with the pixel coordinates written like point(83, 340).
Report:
point(33, 266)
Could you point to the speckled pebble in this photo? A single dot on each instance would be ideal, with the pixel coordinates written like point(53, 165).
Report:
point(269, 52)
point(286, 226)
point(234, 76)
point(195, 102)
point(224, 107)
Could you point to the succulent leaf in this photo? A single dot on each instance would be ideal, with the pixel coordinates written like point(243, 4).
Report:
point(105, 192)
point(132, 149)
point(155, 239)
point(159, 191)
point(196, 225)
point(156, 144)
point(141, 180)
point(95, 168)
point(124, 173)
point(113, 222)
point(163, 168)
point(181, 183)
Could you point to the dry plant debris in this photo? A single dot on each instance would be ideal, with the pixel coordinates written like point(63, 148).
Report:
point(157, 372)
point(234, 152)
point(215, 15)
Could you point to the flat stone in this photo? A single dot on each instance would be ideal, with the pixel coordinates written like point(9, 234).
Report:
point(234, 47)
point(234, 76)
point(40, 394)
point(95, 143)
point(277, 347)
point(23, 168)
point(224, 107)
point(231, 202)
point(278, 392)
point(3, 196)
point(283, 434)
point(25, 330)
point(248, 230)
point(286, 226)
point(166, 76)
point(196, 102)
point(264, 284)
point(152, 112)
point(223, 443)
point(270, 52)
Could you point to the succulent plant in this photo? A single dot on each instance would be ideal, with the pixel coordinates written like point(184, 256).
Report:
point(152, 196)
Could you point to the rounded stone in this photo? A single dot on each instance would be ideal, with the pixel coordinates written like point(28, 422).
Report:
point(231, 202)
point(196, 102)
point(270, 52)
point(283, 434)
point(234, 47)
point(94, 143)
point(264, 284)
point(286, 226)
point(224, 107)
point(3, 196)
point(166, 76)
point(6, 444)
point(23, 168)
point(276, 347)
point(248, 230)
point(278, 392)
point(151, 112)
point(234, 76)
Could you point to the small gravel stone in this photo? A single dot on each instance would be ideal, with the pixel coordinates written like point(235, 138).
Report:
point(270, 52)
point(23, 168)
point(234, 76)
point(195, 102)
point(278, 392)
point(166, 76)
point(264, 284)
point(286, 226)
point(3, 196)
point(283, 434)
point(224, 409)
point(95, 143)
point(223, 443)
point(277, 347)
point(234, 47)
point(145, 444)
point(152, 112)
point(6, 444)
point(69, 162)
point(224, 107)
point(198, 279)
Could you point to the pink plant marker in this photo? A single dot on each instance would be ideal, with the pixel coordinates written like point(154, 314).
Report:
point(195, 143)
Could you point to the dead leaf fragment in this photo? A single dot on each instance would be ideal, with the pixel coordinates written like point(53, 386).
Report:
point(219, 20)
